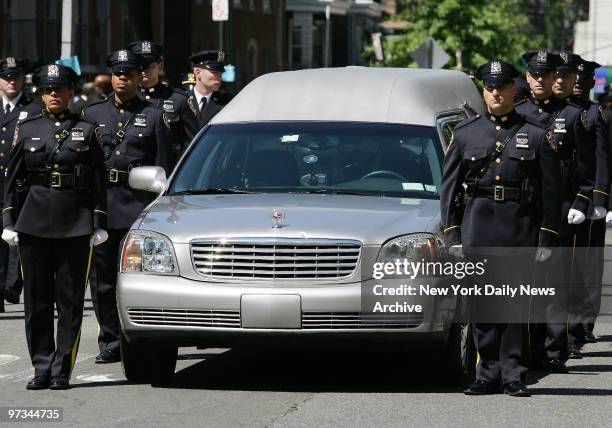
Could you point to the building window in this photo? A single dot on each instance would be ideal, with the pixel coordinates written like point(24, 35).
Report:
point(90, 36)
point(265, 4)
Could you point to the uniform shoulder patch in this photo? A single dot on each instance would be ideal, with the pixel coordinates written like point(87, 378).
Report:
point(166, 120)
point(603, 114)
point(518, 103)
point(191, 103)
point(466, 122)
point(550, 140)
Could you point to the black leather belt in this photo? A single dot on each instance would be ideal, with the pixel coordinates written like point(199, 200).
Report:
point(497, 193)
point(53, 180)
point(116, 176)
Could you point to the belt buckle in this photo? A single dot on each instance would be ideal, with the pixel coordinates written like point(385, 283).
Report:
point(113, 176)
point(498, 193)
point(56, 180)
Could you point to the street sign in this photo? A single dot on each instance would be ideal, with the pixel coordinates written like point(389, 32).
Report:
point(220, 10)
point(430, 55)
point(601, 80)
point(377, 44)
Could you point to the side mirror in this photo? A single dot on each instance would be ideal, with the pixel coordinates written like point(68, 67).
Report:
point(148, 178)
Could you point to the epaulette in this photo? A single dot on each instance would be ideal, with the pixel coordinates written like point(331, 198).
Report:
point(524, 100)
point(88, 120)
point(95, 103)
point(467, 121)
point(30, 118)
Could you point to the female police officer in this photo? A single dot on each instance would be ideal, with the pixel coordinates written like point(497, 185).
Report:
point(55, 208)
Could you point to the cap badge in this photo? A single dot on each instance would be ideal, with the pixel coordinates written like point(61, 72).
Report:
point(122, 55)
point(53, 71)
point(542, 57)
point(146, 47)
point(496, 68)
point(580, 67)
point(564, 56)
point(220, 56)
point(10, 62)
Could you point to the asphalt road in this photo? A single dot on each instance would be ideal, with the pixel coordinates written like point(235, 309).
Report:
point(261, 388)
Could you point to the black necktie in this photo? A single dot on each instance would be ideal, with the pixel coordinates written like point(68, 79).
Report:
point(202, 107)
point(7, 109)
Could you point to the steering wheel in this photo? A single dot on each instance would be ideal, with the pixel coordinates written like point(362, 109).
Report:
point(383, 172)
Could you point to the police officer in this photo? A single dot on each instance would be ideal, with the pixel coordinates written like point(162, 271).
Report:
point(183, 122)
point(568, 128)
point(580, 331)
point(15, 107)
point(55, 209)
point(206, 99)
point(133, 133)
point(512, 173)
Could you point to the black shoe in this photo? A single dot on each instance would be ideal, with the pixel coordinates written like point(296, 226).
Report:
point(555, 365)
point(38, 382)
point(516, 389)
point(59, 383)
point(11, 296)
point(589, 337)
point(107, 357)
point(482, 387)
point(574, 353)
point(1, 304)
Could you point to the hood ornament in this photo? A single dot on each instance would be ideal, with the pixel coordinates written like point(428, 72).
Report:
point(278, 217)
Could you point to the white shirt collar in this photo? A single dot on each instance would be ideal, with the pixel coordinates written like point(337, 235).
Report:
point(199, 97)
point(12, 102)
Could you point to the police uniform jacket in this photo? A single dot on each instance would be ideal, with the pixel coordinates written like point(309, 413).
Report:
point(598, 127)
point(569, 130)
point(213, 106)
point(174, 102)
point(484, 222)
point(23, 109)
point(55, 180)
point(146, 142)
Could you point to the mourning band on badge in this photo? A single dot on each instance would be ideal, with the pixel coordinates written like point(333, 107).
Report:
point(77, 134)
point(140, 120)
point(560, 126)
point(522, 141)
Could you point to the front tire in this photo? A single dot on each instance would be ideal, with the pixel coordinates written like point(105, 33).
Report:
point(144, 363)
point(460, 356)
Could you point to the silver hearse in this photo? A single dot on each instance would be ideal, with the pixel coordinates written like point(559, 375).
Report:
point(269, 227)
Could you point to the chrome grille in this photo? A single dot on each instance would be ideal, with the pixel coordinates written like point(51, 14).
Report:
point(287, 259)
point(357, 320)
point(184, 317)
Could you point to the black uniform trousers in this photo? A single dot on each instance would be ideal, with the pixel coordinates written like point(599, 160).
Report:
point(104, 290)
point(498, 321)
point(585, 298)
point(4, 265)
point(55, 271)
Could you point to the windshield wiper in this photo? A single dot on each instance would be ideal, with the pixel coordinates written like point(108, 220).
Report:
point(209, 191)
point(329, 191)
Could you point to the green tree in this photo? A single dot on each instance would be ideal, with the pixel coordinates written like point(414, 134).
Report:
point(470, 31)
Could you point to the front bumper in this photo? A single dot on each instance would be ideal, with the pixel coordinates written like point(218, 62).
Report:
point(188, 312)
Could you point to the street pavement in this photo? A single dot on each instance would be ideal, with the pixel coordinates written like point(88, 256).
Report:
point(313, 387)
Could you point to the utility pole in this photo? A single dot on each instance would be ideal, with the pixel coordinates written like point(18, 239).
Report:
point(66, 50)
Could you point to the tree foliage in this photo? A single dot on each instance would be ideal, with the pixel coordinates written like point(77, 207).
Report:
point(472, 32)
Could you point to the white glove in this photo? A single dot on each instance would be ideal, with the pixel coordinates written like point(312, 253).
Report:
point(10, 237)
point(542, 254)
point(598, 213)
point(97, 237)
point(456, 251)
point(609, 218)
point(575, 216)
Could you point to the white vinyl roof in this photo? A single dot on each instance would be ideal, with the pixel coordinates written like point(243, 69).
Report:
point(352, 94)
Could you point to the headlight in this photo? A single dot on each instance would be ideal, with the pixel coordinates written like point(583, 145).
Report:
point(148, 252)
point(412, 248)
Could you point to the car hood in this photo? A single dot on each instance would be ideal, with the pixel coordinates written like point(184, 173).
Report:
point(369, 219)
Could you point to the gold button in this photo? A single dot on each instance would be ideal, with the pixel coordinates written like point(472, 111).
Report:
point(56, 166)
point(3, 142)
point(56, 135)
point(473, 158)
point(140, 135)
point(117, 152)
point(1, 167)
point(57, 123)
point(32, 149)
point(120, 125)
point(148, 97)
point(540, 110)
point(497, 178)
point(498, 160)
point(4, 128)
point(498, 127)
point(498, 143)
point(78, 149)
point(1, 155)
point(560, 143)
point(121, 111)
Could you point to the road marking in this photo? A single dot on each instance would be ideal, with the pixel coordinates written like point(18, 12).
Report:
point(97, 377)
point(26, 374)
point(5, 359)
